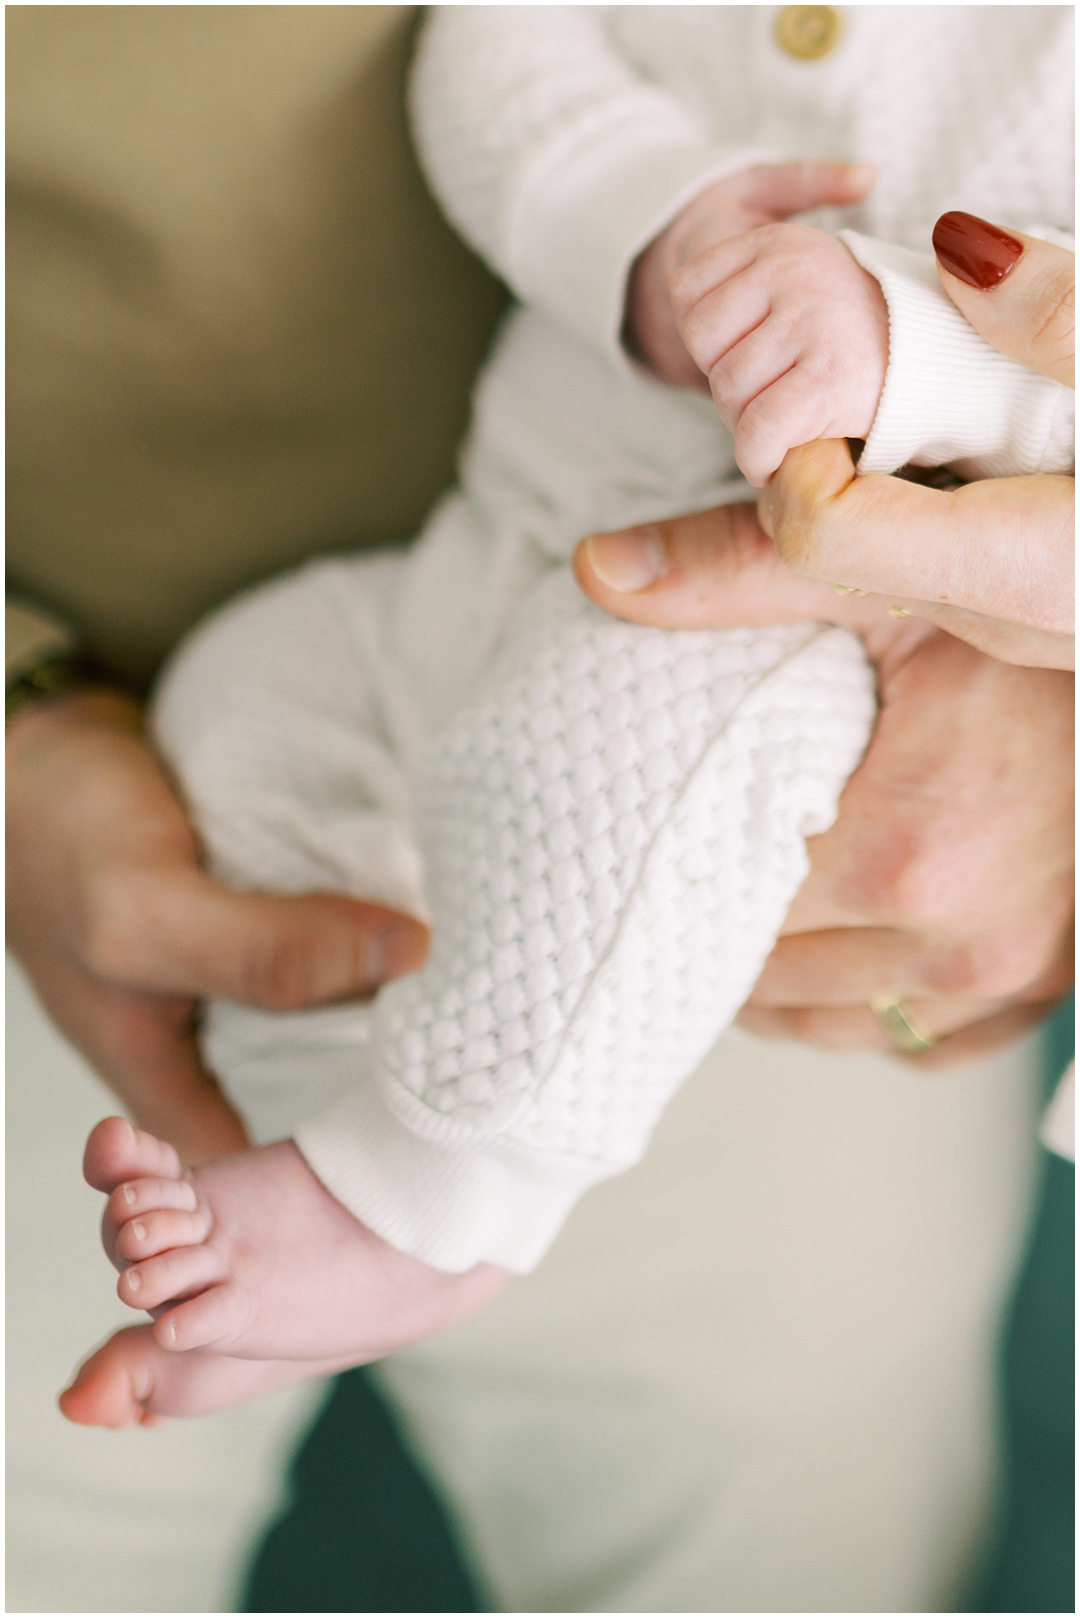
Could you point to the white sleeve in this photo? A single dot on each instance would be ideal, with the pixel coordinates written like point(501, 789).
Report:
point(553, 157)
point(949, 398)
point(613, 832)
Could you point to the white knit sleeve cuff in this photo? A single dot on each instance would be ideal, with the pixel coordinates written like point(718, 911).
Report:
point(587, 211)
point(949, 398)
point(452, 1201)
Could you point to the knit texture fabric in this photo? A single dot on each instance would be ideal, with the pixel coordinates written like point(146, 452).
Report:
point(613, 833)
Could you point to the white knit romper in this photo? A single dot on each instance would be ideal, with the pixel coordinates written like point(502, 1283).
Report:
point(605, 823)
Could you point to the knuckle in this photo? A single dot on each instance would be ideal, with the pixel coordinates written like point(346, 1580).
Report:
point(1055, 337)
point(918, 880)
point(983, 969)
point(277, 976)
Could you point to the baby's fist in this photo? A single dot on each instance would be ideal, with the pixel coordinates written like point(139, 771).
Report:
point(793, 336)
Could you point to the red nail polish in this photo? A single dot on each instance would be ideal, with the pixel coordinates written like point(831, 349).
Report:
point(973, 251)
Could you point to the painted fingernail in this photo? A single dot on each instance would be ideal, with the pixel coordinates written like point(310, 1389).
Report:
point(628, 561)
point(974, 251)
point(895, 610)
point(133, 1279)
point(140, 1230)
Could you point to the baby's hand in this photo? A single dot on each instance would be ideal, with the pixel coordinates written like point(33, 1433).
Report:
point(793, 336)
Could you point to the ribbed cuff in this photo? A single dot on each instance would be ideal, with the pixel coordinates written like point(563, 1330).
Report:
point(588, 210)
point(949, 398)
point(449, 1204)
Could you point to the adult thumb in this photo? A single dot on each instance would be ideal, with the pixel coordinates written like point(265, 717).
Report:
point(278, 952)
point(782, 189)
point(1017, 292)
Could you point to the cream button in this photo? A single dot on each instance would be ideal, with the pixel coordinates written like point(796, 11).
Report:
point(809, 32)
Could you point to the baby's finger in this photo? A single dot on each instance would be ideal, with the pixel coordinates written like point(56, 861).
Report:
point(748, 370)
point(160, 1231)
point(175, 1274)
point(788, 411)
point(724, 317)
point(710, 269)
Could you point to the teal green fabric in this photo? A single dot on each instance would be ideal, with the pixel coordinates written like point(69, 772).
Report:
point(362, 1530)
point(1031, 1564)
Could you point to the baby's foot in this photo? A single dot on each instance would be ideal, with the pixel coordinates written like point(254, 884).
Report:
point(242, 1262)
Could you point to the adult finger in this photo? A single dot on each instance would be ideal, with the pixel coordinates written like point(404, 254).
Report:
point(859, 1030)
point(189, 935)
point(705, 570)
point(145, 1048)
point(1018, 292)
point(1001, 547)
point(846, 966)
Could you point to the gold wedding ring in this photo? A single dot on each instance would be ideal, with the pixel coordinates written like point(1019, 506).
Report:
point(902, 1028)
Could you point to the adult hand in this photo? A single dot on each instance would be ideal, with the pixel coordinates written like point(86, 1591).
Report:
point(763, 195)
point(121, 931)
point(991, 562)
point(946, 879)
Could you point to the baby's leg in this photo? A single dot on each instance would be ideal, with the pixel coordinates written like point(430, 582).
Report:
point(256, 1276)
point(614, 827)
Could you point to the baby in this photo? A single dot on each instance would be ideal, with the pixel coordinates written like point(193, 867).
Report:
point(606, 823)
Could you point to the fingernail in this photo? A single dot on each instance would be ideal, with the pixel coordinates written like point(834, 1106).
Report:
point(395, 950)
point(139, 1230)
point(628, 561)
point(133, 1279)
point(862, 174)
point(975, 252)
point(129, 1193)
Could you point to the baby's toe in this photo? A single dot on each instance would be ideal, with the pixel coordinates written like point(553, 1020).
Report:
point(110, 1388)
point(133, 1198)
point(159, 1230)
point(117, 1151)
point(178, 1273)
point(216, 1318)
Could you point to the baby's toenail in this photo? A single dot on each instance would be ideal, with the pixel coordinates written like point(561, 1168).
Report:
point(134, 1280)
point(130, 1193)
point(140, 1230)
